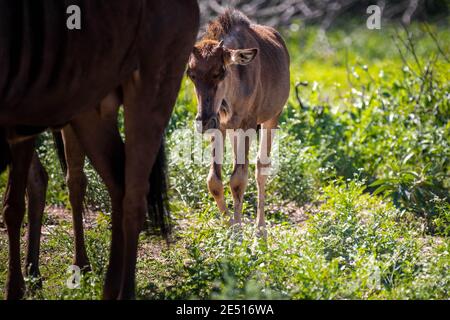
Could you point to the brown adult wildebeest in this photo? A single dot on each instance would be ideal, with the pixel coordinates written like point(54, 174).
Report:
point(241, 75)
point(52, 76)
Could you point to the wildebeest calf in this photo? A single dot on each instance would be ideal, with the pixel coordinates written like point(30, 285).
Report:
point(241, 76)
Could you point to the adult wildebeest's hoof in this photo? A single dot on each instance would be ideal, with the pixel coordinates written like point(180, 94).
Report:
point(15, 289)
point(34, 283)
point(34, 278)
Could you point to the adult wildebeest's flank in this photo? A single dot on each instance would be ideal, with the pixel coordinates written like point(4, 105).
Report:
point(51, 75)
point(241, 76)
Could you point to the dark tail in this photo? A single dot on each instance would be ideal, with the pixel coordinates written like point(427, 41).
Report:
point(5, 153)
point(158, 208)
point(59, 145)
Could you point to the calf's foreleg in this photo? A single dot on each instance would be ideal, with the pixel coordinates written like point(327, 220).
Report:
point(262, 169)
point(239, 177)
point(215, 185)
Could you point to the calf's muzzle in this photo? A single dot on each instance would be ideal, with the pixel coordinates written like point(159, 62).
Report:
point(203, 124)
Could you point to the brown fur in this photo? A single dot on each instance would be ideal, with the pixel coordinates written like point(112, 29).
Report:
point(79, 69)
point(241, 76)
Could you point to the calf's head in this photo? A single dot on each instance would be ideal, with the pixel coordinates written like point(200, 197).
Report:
point(208, 70)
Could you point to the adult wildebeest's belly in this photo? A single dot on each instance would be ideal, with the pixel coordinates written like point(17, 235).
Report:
point(49, 73)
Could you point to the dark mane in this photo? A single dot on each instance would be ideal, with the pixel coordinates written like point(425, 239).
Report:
point(223, 24)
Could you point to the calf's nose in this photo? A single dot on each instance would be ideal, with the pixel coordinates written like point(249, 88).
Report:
point(213, 123)
point(203, 125)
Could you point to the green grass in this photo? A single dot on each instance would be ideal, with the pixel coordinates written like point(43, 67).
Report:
point(359, 208)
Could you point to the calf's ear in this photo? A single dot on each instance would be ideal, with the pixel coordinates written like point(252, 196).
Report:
point(242, 56)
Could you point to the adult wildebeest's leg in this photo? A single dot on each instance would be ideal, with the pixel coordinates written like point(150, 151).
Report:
point(103, 145)
point(263, 167)
point(144, 128)
point(239, 177)
point(14, 211)
point(215, 185)
point(77, 183)
point(36, 194)
point(149, 99)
